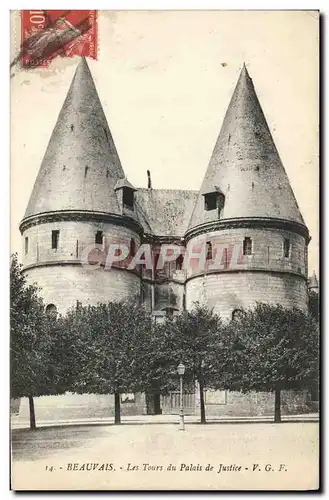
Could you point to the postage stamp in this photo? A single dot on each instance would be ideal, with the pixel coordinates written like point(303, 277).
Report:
point(46, 34)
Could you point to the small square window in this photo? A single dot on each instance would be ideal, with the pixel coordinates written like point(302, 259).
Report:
point(209, 250)
point(99, 237)
point(54, 239)
point(127, 398)
point(286, 247)
point(26, 245)
point(247, 246)
point(132, 247)
point(225, 258)
point(179, 262)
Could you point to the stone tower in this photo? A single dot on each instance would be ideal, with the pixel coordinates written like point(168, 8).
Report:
point(244, 221)
point(80, 200)
point(247, 218)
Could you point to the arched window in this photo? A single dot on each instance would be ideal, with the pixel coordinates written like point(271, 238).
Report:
point(51, 310)
point(237, 314)
point(132, 247)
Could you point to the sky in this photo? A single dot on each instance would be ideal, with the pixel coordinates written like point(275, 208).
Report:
point(165, 79)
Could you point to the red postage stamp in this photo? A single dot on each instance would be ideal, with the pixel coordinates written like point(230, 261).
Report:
point(46, 34)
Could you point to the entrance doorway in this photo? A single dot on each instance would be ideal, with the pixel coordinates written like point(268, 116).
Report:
point(153, 404)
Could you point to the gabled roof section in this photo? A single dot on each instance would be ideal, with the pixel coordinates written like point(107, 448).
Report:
point(81, 165)
point(121, 183)
point(211, 189)
point(166, 211)
point(245, 165)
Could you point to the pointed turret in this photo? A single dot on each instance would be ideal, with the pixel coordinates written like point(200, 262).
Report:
point(245, 167)
point(313, 283)
point(81, 166)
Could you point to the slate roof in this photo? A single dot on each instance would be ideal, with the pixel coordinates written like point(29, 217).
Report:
point(81, 166)
point(245, 165)
point(167, 210)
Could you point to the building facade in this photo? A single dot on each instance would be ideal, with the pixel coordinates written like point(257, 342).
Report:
point(244, 219)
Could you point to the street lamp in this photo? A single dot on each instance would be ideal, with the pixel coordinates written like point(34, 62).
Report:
point(181, 371)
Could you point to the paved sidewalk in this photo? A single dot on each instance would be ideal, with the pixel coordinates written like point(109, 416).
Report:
point(19, 423)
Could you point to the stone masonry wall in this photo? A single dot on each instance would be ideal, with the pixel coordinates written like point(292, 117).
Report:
point(257, 404)
point(79, 406)
point(64, 285)
point(242, 280)
point(234, 290)
point(267, 250)
point(74, 238)
point(60, 273)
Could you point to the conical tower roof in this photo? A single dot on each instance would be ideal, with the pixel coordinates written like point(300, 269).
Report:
point(81, 166)
point(245, 165)
point(313, 281)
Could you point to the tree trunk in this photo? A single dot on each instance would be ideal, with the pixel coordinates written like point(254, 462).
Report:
point(202, 407)
point(277, 406)
point(117, 413)
point(32, 413)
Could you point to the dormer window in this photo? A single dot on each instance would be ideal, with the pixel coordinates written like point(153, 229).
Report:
point(210, 201)
point(128, 198)
point(214, 201)
point(126, 194)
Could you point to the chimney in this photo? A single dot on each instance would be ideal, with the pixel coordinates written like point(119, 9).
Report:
point(149, 183)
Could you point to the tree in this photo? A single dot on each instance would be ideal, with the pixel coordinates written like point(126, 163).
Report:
point(272, 349)
point(189, 338)
point(31, 341)
point(108, 344)
point(313, 304)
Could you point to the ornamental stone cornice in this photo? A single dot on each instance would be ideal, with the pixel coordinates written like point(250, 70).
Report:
point(249, 223)
point(83, 216)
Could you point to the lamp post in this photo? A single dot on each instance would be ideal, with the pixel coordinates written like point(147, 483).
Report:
point(181, 371)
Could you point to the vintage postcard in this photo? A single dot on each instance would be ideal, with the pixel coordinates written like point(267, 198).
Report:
point(164, 250)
